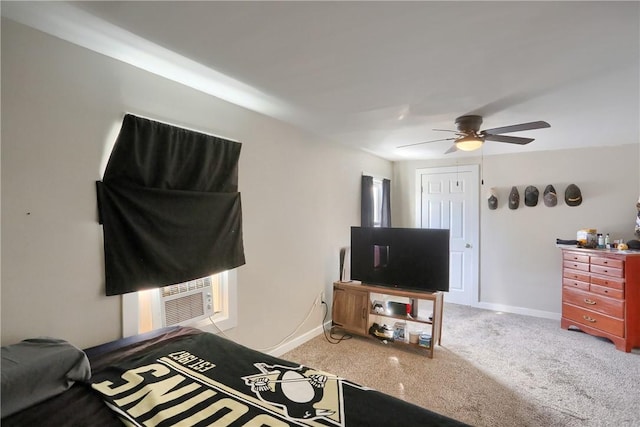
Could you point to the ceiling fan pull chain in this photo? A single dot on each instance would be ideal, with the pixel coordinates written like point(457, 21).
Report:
point(482, 166)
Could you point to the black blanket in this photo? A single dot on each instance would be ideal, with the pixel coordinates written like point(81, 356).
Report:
point(187, 377)
point(203, 379)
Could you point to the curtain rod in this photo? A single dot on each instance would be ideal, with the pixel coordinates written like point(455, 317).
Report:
point(374, 175)
point(180, 126)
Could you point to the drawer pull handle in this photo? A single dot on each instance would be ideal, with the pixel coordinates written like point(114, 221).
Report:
point(589, 319)
point(364, 313)
point(589, 301)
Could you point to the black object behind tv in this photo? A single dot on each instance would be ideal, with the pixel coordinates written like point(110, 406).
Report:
point(406, 258)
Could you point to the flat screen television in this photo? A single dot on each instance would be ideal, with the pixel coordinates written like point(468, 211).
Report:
point(405, 258)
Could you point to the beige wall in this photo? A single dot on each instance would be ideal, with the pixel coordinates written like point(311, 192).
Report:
point(61, 109)
point(519, 263)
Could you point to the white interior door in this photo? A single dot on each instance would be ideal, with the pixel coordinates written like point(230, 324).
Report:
point(448, 197)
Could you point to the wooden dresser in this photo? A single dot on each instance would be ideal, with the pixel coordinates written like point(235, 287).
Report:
point(601, 294)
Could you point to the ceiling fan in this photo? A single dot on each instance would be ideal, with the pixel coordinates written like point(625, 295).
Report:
point(469, 137)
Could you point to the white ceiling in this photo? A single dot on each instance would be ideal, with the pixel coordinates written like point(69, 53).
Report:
point(376, 75)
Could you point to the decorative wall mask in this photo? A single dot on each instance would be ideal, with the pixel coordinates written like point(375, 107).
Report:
point(550, 198)
point(531, 194)
point(514, 198)
point(572, 195)
point(493, 199)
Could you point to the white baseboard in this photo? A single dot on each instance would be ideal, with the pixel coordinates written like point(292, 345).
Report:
point(518, 310)
point(290, 345)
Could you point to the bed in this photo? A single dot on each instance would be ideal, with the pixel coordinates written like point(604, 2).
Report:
point(184, 376)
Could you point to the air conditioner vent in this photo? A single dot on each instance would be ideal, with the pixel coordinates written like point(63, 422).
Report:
point(182, 309)
point(186, 302)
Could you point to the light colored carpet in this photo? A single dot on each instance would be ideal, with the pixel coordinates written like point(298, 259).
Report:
point(496, 369)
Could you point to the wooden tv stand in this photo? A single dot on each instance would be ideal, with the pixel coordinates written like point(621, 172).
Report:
point(352, 310)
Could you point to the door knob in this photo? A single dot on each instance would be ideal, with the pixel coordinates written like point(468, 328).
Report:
point(468, 245)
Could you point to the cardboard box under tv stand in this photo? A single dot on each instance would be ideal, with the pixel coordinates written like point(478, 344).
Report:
point(352, 310)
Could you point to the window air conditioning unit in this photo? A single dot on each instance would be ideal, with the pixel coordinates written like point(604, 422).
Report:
point(186, 302)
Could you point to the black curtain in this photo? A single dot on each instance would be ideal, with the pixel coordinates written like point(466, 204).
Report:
point(366, 202)
point(385, 218)
point(170, 206)
point(367, 213)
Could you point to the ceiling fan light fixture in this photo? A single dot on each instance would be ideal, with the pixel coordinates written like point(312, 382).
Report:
point(469, 143)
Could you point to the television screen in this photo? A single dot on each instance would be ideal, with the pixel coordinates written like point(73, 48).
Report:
point(407, 258)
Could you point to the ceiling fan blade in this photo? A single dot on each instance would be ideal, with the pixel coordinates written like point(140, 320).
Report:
point(452, 149)
point(446, 130)
point(425, 142)
point(517, 128)
point(509, 139)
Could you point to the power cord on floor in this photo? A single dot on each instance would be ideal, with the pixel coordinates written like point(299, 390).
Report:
point(337, 340)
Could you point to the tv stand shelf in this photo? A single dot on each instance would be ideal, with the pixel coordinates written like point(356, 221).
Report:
point(406, 318)
point(352, 310)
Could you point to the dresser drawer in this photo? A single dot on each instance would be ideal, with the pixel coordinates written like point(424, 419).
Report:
point(592, 301)
point(609, 282)
point(572, 256)
point(610, 292)
point(607, 262)
point(572, 283)
point(576, 275)
point(593, 319)
point(574, 265)
point(607, 271)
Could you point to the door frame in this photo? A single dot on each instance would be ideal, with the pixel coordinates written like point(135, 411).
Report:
point(475, 170)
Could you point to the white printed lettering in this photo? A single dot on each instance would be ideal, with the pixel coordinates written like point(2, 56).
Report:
point(132, 379)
